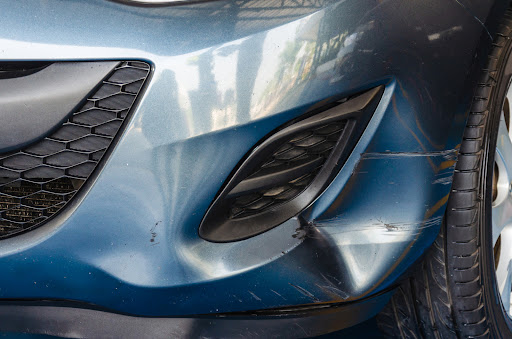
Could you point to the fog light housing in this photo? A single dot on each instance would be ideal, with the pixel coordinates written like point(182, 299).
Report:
point(285, 173)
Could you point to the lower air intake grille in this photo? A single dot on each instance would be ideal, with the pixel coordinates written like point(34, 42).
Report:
point(287, 171)
point(39, 180)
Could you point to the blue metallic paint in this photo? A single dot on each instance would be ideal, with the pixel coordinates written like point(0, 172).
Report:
point(225, 74)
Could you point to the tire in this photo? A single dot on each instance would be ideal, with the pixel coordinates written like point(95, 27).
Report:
point(453, 292)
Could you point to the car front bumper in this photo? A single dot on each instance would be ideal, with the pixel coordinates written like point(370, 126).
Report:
point(225, 74)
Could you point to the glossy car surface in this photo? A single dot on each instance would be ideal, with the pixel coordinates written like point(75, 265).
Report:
point(224, 74)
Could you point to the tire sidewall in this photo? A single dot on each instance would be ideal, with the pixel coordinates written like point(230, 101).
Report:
point(499, 322)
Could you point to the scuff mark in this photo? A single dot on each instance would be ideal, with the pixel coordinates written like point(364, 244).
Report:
point(391, 227)
point(345, 226)
point(333, 290)
point(443, 180)
point(438, 35)
point(254, 296)
point(404, 226)
point(448, 165)
point(303, 330)
point(328, 280)
point(475, 17)
point(305, 292)
point(278, 294)
point(441, 202)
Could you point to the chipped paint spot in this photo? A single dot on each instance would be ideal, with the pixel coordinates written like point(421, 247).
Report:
point(299, 234)
point(390, 227)
point(153, 232)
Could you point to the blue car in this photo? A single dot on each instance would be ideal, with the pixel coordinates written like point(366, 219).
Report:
point(255, 168)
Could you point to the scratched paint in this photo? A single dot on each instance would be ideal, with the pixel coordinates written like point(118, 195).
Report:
point(397, 232)
point(378, 226)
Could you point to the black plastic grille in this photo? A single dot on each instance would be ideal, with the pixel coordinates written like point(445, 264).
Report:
point(39, 180)
point(306, 147)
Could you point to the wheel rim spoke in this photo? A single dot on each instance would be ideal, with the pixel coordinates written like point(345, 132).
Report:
point(501, 218)
point(504, 146)
point(504, 269)
point(502, 205)
point(502, 209)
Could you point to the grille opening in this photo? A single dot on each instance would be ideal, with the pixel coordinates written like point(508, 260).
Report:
point(37, 181)
point(288, 170)
point(15, 69)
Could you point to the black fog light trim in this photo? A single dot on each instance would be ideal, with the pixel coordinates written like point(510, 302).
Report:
point(288, 170)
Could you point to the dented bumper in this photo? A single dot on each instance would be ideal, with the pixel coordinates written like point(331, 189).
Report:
point(224, 76)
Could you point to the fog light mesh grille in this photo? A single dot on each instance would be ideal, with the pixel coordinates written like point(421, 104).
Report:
point(37, 181)
point(307, 147)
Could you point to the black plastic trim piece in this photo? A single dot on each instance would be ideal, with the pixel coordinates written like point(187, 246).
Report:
point(216, 226)
point(52, 318)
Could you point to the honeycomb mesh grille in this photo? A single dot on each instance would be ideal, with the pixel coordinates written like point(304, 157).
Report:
point(309, 146)
point(39, 180)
